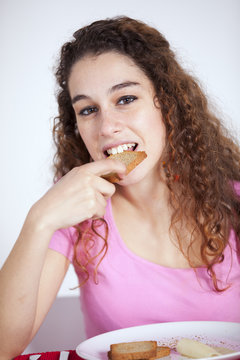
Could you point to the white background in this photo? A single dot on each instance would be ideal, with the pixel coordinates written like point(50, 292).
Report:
point(204, 33)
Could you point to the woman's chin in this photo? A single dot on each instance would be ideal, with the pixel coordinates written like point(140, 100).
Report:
point(132, 178)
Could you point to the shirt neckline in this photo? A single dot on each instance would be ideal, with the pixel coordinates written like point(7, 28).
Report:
point(131, 254)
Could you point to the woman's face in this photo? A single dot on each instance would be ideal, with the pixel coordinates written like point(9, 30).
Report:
point(114, 105)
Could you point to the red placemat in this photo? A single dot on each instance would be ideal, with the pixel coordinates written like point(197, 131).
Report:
point(53, 355)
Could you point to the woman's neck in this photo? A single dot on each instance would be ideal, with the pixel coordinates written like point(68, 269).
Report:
point(149, 195)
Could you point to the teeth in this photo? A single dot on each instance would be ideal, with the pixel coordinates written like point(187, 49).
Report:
point(120, 149)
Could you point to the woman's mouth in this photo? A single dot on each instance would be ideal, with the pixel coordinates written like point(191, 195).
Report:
point(120, 148)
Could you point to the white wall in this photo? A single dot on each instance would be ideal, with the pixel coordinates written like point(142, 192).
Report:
point(205, 34)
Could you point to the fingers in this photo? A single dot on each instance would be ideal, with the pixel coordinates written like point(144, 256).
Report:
point(104, 187)
point(103, 167)
point(100, 207)
point(97, 190)
point(94, 204)
point(81, 194)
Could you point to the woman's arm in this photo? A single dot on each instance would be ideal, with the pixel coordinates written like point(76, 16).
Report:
point(32, 274)
point(29, 282)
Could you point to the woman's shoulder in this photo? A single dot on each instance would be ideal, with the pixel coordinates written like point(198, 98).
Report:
point(62, 241)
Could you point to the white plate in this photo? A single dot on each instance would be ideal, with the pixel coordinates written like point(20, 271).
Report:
point(215, 333)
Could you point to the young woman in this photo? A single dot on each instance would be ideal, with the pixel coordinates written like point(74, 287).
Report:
point(161, 244)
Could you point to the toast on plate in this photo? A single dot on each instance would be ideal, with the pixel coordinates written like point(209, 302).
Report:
point(135, 350)
point(161, 352)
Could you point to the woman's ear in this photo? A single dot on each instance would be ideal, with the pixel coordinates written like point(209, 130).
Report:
point(156, 102)
point(76, 129)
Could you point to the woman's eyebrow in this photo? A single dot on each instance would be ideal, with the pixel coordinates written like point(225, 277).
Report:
point(111, 90)
point(79, 97)
point(122, 85)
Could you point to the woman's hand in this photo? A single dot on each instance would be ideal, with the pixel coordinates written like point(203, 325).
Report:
point(79, 195)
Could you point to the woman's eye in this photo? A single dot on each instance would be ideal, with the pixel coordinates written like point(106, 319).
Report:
point(88, 110)
point(126, 99)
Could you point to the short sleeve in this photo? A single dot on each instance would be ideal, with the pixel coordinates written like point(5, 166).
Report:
point(62, 241)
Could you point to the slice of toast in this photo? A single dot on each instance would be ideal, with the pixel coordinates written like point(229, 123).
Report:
point(130, 158)
point(133, 350)
point(162, 351)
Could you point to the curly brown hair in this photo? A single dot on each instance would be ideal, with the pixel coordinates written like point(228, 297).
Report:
point(199, 150)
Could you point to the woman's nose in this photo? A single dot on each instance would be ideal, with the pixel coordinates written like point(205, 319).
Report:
point(109, 123)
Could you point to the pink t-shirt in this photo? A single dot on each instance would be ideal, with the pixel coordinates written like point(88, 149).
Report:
point(133, 291)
